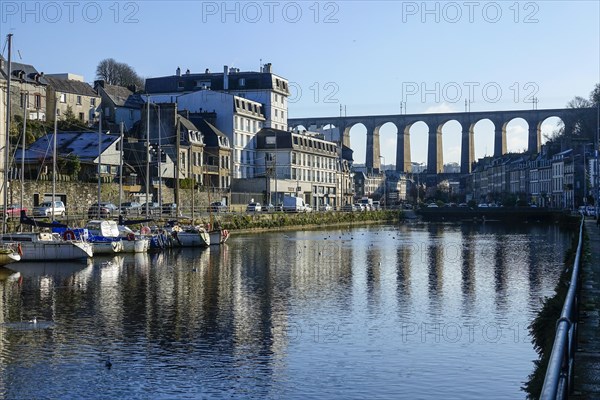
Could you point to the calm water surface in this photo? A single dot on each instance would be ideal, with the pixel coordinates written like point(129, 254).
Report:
point(415, 312)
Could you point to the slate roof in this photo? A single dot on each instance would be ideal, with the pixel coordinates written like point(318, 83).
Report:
point(82, 144)
point(30, 72)
point(123, 97)
point(210, 133)
point(189, 82)
point(71, 86)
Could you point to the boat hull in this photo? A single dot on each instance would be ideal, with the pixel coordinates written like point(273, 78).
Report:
point(192, 239)
point(108, 247)
point(40, 251)
point(8, 256)
point(218, 236)
point(138, 245)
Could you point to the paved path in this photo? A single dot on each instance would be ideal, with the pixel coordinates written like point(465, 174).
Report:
point(587, 358)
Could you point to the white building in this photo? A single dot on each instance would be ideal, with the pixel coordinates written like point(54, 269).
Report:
point(244, 102)
point(238, 118)
point(302, 165)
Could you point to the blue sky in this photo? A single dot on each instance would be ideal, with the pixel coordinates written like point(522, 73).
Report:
point(366, 56)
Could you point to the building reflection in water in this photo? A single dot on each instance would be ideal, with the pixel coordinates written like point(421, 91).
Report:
point(272, 310)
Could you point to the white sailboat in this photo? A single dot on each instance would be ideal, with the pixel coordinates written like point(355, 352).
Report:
point(190, 237)
point(40, 246)
point(47, 246)
point(8, 251)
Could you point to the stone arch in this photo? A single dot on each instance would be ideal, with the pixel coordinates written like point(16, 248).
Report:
point(484, 132)
point(357, 130)
point(451, 147)
point(387, 134)
point(517, 135)
point(549, 126)
point(416, 132)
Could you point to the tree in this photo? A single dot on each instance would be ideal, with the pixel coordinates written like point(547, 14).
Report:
point(69, 122)
point(117, 73)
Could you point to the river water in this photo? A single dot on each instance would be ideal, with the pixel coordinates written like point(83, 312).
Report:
point(423, 311)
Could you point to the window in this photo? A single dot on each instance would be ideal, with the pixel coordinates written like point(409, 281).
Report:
point(38, 101)
point(180, 85)
point(276, 113)
point(24, 100)
point(242, 82)
point(78, 100)
point(63, 98)
point(93, 102)
point(81, 116)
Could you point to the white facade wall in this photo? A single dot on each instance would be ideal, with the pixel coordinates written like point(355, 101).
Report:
point(240, 127)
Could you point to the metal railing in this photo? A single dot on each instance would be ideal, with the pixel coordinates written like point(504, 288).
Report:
point(558, 381)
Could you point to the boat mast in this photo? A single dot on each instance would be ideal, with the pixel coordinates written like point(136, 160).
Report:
point(147, 156)
point(23, 143)
point(7, 143)
point(99, 162)
point(159, 164)
point(54, 153)
point(121, 169)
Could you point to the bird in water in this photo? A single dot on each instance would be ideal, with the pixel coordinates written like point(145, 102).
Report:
point(108, 363)
point(33, 321)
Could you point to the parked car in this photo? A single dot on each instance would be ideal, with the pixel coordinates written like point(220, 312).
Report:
point(169, 209)
point(45, 209)
point(308, 208)
point(153, 208)
point(325, 207)
point(376, 206)
point(12, 211)
point(268, 207)
point(107, 210)
point(350, 207)
point(253, 207)
point(131, 207)
point(217, 206)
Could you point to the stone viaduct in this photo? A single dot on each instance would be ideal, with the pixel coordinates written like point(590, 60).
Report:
point(435, 123)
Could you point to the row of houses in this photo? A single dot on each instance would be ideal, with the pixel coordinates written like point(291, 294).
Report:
point(226, 131)
point(551, 178)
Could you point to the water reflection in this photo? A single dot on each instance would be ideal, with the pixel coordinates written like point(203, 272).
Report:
point(352, 313)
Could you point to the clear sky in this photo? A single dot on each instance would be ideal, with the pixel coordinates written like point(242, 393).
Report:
point(368, 57)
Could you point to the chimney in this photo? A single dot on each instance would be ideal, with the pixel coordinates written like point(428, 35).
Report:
point(178, 71)
point(187, 71)
point(207, 71)
point(225, 78)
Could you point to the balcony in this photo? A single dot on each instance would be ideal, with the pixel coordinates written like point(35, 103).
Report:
point(211, 169)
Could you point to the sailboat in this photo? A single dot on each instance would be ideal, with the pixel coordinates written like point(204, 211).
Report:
point(9, 252)
point(37, 246)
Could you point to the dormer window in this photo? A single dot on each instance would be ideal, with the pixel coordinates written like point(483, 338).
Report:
point(180, 84)
point(242, 82)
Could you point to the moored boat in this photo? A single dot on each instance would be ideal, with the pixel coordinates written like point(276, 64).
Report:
point(191, 237)
point(46, 246)
point(9, 253)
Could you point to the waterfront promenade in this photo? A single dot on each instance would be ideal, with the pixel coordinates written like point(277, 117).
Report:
point(587, 358)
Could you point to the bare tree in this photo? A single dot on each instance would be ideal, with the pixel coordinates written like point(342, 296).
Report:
point(117, 73)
